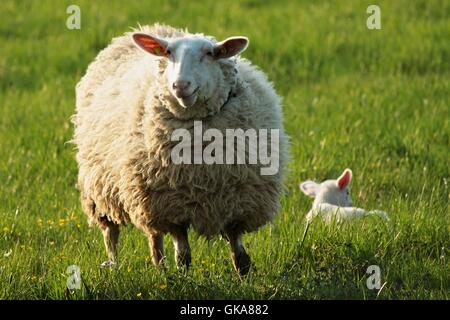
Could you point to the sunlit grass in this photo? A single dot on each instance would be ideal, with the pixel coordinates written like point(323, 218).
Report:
point(374, 101)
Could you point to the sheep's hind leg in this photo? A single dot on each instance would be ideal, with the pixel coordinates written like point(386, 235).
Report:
point(182, 248)
point(241, 260)
point(111, 233)
point(156, 243)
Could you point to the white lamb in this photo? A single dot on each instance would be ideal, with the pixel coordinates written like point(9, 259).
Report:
point(332, 200)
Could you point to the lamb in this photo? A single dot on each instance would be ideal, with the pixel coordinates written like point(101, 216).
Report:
point(332, 201)
point(137, 92)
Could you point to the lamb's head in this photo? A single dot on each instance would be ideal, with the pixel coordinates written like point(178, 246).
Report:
point(193, 65)
point(334, 192)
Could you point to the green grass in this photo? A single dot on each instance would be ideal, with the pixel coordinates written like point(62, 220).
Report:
point(375, 101)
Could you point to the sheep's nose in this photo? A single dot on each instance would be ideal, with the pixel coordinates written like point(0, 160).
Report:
point(181, 85)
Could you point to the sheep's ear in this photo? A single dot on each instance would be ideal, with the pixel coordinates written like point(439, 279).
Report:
point(230, 47)
point(344, 179)
point(309, 188)
point(155, 46)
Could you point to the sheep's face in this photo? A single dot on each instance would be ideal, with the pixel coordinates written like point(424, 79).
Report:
point(193, 71)
point(334, 192)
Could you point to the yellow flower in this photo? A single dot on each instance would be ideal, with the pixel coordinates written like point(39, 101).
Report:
point(33, 278)
point(139, 295)
point(163, 286)
point(39, 222)
point(129, 269)
point(78, 226)
point(61, 222)
point(50, 222)
point(5, 229)
point(52, 243)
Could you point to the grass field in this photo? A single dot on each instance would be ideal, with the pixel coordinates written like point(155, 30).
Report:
point(377, 101)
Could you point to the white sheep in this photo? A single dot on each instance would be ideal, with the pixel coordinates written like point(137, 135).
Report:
point(332, 201)
point(139, 90)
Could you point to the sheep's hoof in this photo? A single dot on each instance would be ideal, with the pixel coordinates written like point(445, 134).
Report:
point(241, 263)
point(183, 261)
point(107, 264)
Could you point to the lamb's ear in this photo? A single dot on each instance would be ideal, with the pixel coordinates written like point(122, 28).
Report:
point(230, 47)
point(344, 179)
point(309, 188)
point(153, 45)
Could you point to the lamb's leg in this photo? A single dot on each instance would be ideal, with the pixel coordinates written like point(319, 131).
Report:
point(111, 233)
point(156, 242)
point(240, 258)
point(181, 244)
point(379, 213)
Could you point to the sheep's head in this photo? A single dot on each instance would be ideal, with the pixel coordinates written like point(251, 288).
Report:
point(193, 64)
point(334, 192)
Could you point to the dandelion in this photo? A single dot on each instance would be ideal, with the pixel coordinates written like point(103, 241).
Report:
point(139, 295)
point(61, 222)
point(39, 222)
point(163, 286)
point(50, 222)
point(5, 230)
point(33, 278)
point(79, 226)
point(129, 269)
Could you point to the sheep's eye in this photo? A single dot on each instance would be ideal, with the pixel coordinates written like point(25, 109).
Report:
point(168, 52)
point(209, 53)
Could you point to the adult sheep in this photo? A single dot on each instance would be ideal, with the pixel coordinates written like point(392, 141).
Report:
point(136, 93)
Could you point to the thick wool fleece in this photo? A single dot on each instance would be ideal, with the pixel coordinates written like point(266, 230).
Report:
point(123, 123)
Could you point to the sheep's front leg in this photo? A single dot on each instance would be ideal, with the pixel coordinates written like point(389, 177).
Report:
point(156, 243)
point(182, 248)
point(111, 233)
point(241, 260)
